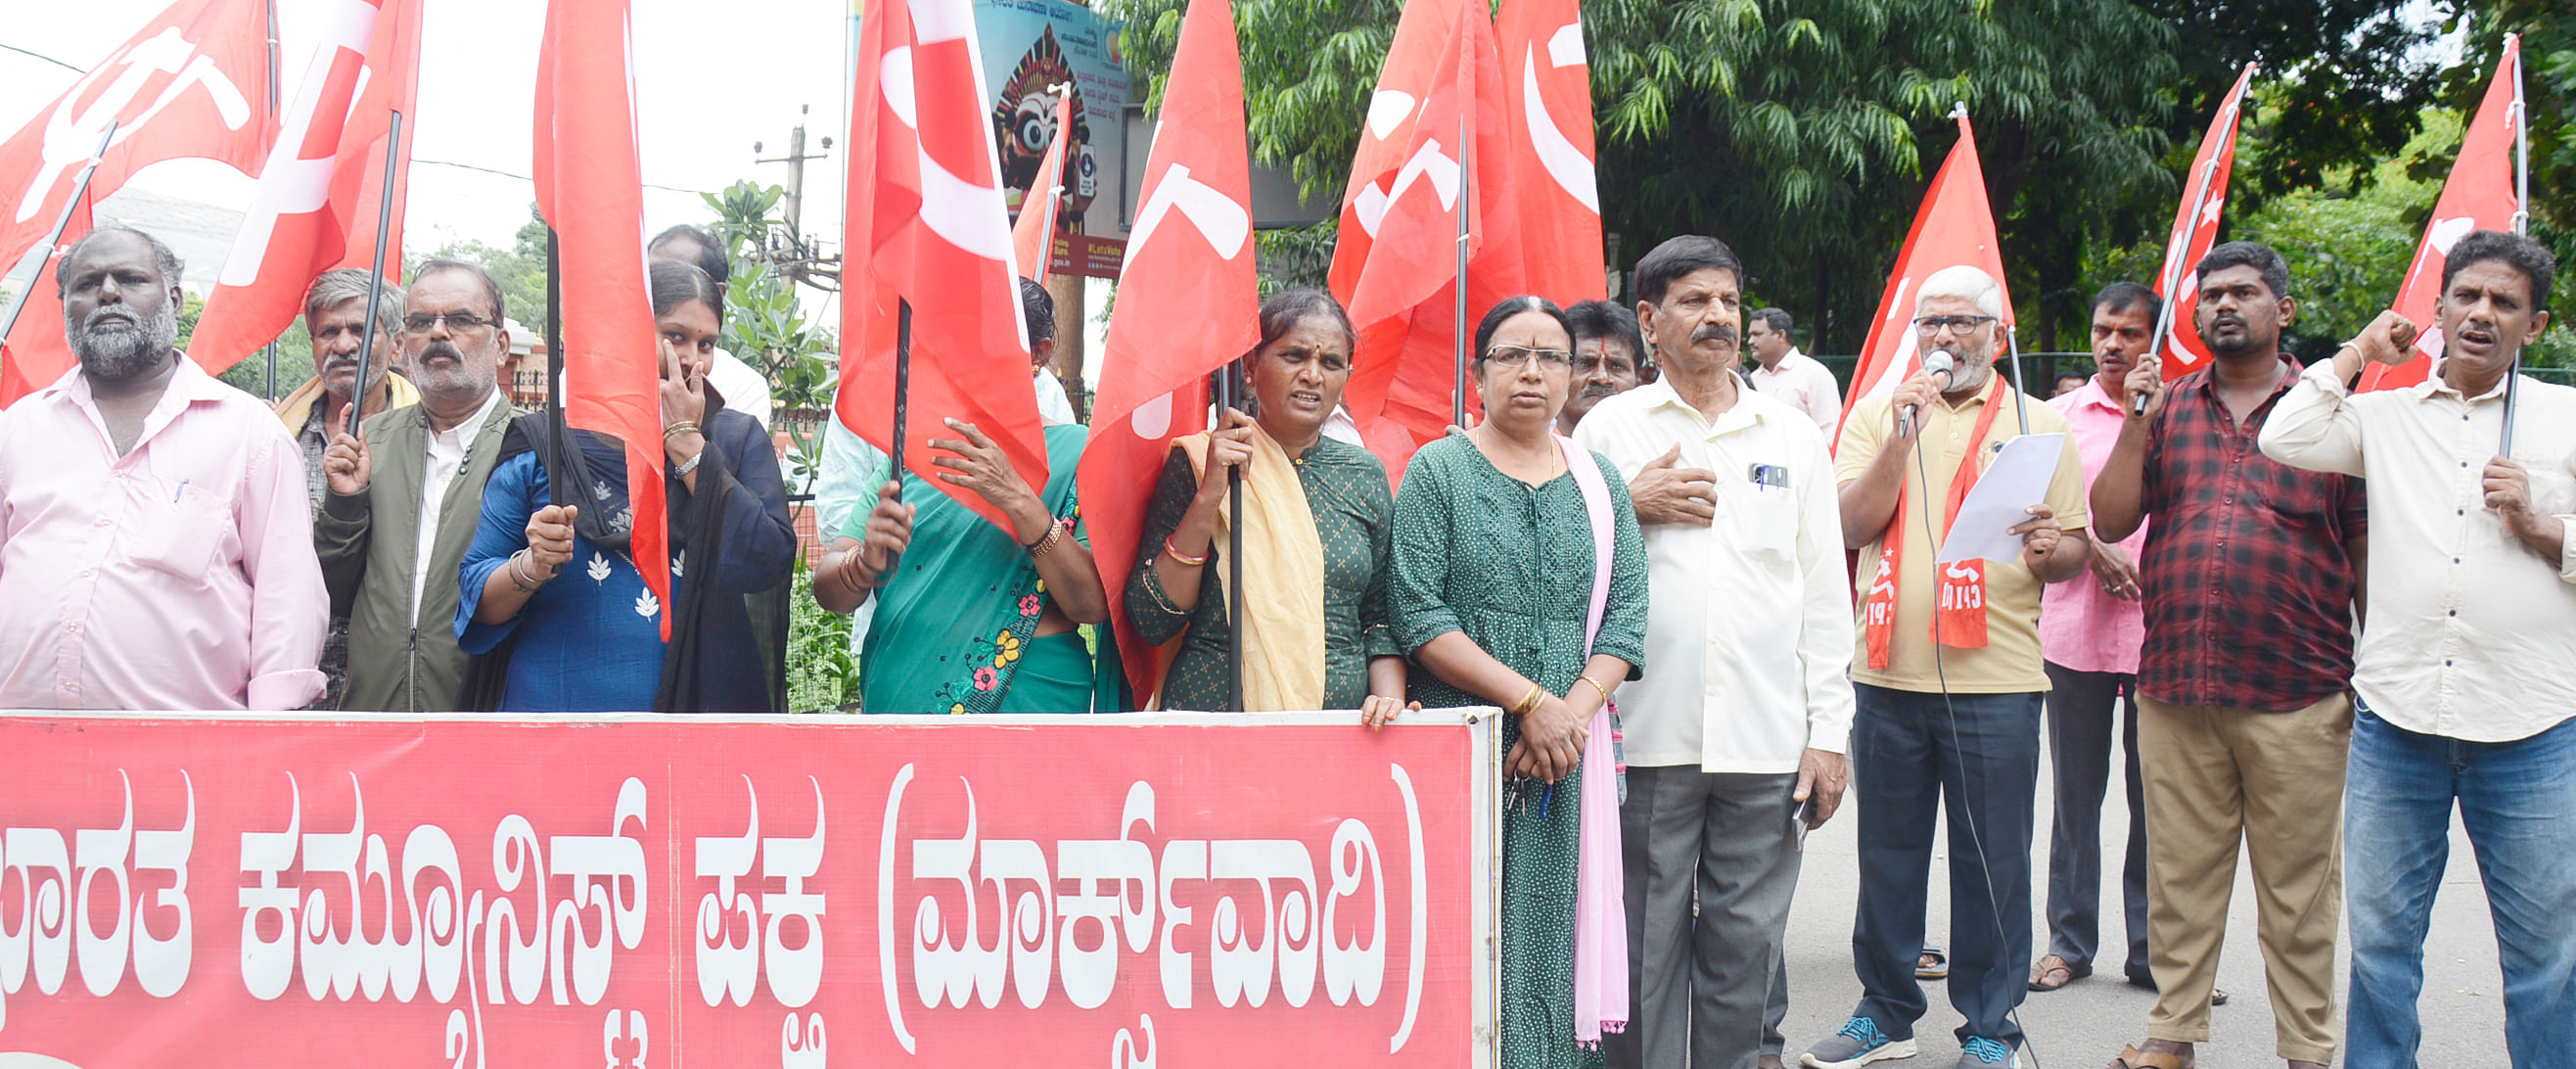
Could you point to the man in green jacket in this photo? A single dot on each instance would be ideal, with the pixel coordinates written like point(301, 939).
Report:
point(403, 502)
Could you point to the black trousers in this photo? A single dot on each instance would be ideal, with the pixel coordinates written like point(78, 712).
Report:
point(2081, 709)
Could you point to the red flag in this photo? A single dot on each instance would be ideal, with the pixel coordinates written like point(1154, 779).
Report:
point(1404, 295)
point(1954, 226)
point(1404, 81)
point(1189, 302)
point(35, 353)
point(927, 226)
point(1033, 237)
point(1547, 90)
point(2478, 196)
point(392, 85)
point(292, 232)
point(2193, 234)
point(191, 83)
point(590, 188)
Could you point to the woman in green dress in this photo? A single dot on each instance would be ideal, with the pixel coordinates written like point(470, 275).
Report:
point(1498, 597)
point(1318, 521)
point(973, 618)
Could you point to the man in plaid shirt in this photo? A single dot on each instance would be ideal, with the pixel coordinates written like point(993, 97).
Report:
point(2245, 717)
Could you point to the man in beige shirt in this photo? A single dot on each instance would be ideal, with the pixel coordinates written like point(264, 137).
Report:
point(1948, 716)
point(2466, 697)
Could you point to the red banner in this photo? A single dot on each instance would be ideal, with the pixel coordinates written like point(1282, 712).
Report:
point(1046, 891)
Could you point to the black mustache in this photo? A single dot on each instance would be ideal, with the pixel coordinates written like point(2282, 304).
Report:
point(1724, 332)
point(440, 348)
point(1600, 390)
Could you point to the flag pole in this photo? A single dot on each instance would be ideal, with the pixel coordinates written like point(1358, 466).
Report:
point(2172, 275)
point(2521, 220)
point(902, 409)
point(556, 435)
point(2021, 404)
point(1228, 394)
point(272, 372)
point(376, 281)
point(61, 222)
point(1458, 332)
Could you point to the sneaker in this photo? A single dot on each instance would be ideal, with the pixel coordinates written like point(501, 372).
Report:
point(1858, 1044)
point(1982, 1053)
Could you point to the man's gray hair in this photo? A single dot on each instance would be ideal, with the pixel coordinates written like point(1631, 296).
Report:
point(336, 288)
point(1962, 280)
point(163, 259)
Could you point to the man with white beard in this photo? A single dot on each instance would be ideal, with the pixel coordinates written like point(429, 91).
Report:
point(155, 539)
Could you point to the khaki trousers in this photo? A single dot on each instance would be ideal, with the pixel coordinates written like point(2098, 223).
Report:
point(2274, 781)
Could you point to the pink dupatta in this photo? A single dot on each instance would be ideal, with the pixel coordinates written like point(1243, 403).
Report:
point(1600, 894)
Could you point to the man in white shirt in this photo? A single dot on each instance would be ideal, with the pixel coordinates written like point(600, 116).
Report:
point(742, 386)
point(1782, 372)
point(1735, 739)
point(403, 501)
point(2465, 696)
point(1037, 309)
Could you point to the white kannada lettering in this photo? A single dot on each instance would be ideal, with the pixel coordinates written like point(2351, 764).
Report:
point(791, 960)
point(57, 879)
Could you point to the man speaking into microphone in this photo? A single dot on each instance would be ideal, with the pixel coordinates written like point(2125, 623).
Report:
point(1947, 680)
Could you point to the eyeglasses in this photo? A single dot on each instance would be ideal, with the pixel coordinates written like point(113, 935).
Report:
point(455, 321)
point(1931, 325)
point(1520, 356)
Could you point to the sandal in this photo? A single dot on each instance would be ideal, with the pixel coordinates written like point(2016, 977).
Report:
point(2133, 1058)
point(1932, 964)
point(2052, 972)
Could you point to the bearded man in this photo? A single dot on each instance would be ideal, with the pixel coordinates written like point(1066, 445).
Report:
point(155, 539)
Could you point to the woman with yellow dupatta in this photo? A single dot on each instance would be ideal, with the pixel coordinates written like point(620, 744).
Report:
point(1318, 526)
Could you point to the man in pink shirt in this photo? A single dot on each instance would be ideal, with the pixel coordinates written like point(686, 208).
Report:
point(2090, 629)
point(156, 544)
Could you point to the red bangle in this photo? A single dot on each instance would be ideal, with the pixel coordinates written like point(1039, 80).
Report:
point(1184, 557)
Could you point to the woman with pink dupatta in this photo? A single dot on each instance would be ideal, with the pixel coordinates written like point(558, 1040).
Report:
point(1502, 598)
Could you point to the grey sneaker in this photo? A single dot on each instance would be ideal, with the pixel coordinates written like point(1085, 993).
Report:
point(1982, 1053)
point(1858, 1044)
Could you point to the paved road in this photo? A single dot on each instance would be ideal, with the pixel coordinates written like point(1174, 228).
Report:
point(2082, 1025)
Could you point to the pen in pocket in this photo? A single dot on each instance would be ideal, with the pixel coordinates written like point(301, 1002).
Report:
point(175, 494)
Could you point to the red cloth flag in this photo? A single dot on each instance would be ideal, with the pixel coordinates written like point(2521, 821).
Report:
point(392, 84)
point(1189, 302)
point(1954, 226)
point(36, 352)
point(1547, 90)
point(927, 225)
point(2478, 196)
point(191, 83)
point(292, 232)
point(1404, 295)
point(590, 188)
point(1033, 236)
point(2193, 234)
point(1404, 81)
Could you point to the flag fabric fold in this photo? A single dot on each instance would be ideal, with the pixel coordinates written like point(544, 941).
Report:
point(1955, 225)
point(357, 180)
point(1188, 303)
point(1033, 236)
point(590, 188)
point(1547, 92)
point(2194, 233)
point(36, 352)
point(2478, 195)
point(927, 226)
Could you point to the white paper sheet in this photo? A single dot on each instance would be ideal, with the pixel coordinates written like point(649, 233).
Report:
point(2017, 479)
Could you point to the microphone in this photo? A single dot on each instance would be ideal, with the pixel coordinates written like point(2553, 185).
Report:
point(1936, 363)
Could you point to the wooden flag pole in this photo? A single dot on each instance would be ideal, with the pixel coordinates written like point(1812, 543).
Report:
point(376, 281)
point(63, 221)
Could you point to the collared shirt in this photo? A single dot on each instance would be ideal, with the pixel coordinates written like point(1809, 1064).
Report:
point(448, 451)
point(2471, 632)
point(178, 576)
point(1748, 636)
point(742, 386)
point(1803, 384)
point(2249, 587)
point(2081, 626)
point(2009, 663)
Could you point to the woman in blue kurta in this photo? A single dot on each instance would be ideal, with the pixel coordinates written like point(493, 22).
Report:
point(553, 609)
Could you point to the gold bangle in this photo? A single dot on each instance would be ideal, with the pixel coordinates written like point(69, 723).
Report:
point(1529, 702)
point(1055, 533)
point(677, 429)
point(1596, 686)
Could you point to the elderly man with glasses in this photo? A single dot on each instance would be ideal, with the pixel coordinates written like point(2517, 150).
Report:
point(1948, 679)
point(391, 536)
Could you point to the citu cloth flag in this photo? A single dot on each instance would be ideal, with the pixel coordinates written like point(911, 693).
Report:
point(37, 343)
point(296, 229)
point(590, 188)
point(1435, 147)
point(1188, 303)
point(2479, 195)
point(1547, 92)
point(2194, 232)
point(191, 83)
point(927, 226)
point(1033, 234)
point(1955, 225)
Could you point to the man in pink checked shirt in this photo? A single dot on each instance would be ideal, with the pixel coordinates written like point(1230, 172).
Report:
point(156, 544)
point(2090, 630)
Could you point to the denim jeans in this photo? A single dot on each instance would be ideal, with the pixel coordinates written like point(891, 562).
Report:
point(2517, 801)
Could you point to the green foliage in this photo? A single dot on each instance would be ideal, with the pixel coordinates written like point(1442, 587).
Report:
point(520, 269)
point(821, 674)
point(2349, 241)
point(764, 323)
point(1296, 257)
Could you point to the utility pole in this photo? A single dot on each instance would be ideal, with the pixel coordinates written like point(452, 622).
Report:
point(797, 267)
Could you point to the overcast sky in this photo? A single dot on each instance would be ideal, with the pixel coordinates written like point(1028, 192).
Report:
point(711, 79)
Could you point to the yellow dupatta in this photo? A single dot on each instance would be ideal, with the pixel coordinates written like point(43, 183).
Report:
point(1283, 579)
